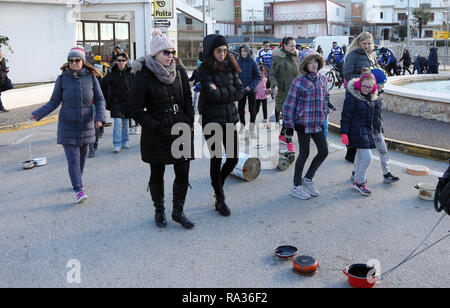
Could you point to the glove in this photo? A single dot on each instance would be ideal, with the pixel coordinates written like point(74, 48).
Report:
point(344, 139)
point(289, 132)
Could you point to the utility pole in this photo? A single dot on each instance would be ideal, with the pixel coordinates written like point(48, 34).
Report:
point(204, 19)
point(408, 24)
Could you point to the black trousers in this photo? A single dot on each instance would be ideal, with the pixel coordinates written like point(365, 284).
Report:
point(251, 107)
point(219, 173)
point(322, 153)
point(263, 103)
point(181, 173)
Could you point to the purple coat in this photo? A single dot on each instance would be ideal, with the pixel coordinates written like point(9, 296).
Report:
point(307, 103)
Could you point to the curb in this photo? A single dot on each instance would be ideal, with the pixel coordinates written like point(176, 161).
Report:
point(407, 147)
point(25, 125)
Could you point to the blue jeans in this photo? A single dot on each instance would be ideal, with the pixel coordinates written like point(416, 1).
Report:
point(121, 134)
point(7, 87)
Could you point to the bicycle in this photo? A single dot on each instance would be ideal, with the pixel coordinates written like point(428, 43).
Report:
point(334, 77)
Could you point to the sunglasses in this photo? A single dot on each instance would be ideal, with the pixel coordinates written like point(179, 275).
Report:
point(219, 51)
point(167, 53)
point(74, 60)
point(121, 60)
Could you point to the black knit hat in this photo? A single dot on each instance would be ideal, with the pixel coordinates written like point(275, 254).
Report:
point(211, 42)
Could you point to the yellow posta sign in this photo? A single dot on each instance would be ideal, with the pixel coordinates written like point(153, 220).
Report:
point(440, 35)
point(163, 9)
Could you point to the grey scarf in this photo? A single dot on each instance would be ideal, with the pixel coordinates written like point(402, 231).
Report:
point(165, 74)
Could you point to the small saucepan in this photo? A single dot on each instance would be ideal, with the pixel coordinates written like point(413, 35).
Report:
point(361, 275)
point(306, 266)
point(285, 251)
point(28, 164)
point(41, 161)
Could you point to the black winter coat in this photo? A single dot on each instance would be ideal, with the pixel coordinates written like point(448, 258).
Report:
point(218, 106)
point(153, 107)
point(357, 118)
point(3, 74)
point(116, 87)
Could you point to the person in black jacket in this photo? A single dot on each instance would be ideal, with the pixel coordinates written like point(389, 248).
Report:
point(5, 82)
point(433, 62)
point(220, 89)
point(116, 88)
point(406, 58)
point(160, 102)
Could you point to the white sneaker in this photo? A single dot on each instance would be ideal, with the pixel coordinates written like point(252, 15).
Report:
point(126, 146)
point(309, 188)
point(241, 129)
point(117, 149)
point(266, 124)
point(300, 192)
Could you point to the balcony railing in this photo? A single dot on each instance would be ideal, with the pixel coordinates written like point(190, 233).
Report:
point(297, 16)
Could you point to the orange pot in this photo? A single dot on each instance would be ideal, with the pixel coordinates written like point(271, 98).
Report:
point(306, 265)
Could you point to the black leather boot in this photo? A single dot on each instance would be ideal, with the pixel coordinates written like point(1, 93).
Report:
point(220, 204)
point(157, 194)
point(179, 196)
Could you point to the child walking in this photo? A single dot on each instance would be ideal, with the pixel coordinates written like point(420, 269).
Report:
point(305, 110)
point(357, 121)
point(381, 78)
point(261, 96)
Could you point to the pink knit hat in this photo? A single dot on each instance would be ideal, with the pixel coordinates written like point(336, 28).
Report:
point(159, 42)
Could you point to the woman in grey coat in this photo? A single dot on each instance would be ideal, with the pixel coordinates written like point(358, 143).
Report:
point(77, 88)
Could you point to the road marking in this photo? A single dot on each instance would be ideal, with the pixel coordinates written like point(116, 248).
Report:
point(22, 140)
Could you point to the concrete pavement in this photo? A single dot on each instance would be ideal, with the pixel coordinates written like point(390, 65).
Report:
point(115, 242)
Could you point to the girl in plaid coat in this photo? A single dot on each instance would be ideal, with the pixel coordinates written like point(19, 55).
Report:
point(305, 111)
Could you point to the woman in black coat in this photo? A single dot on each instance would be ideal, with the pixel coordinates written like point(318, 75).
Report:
point(161, 103)
point(220, 89)
point(116, 88)
point(406, 58)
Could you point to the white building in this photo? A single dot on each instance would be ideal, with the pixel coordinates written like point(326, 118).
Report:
point(41, 32)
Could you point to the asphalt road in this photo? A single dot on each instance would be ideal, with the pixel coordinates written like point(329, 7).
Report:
point(113, 241)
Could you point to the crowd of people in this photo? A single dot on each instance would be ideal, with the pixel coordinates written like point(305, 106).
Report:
point(155, 92)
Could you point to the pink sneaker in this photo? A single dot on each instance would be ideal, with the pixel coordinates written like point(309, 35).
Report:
point(282, 139)
point(290, 147)
point(81, 196)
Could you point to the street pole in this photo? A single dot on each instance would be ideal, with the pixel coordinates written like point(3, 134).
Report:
point(253, 28)
point(204, 19)
point(408, 24)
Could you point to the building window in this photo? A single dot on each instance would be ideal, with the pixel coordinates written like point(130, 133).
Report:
point(402, 16)
point(100, 38)
point(237, 12)
point(428, 33)
point(337, 11)
point(381, 15)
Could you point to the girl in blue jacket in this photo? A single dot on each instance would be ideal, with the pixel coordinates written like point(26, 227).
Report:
point(357, 122)
point(250, 76)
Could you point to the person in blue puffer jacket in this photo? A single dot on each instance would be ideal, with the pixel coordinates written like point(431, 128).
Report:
point(75, 90)
point(250, 76)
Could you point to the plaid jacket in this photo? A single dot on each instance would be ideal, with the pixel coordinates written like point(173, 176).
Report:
point(307, 104)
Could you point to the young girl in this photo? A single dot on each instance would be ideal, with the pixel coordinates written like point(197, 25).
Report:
point(357, 125)
point(381, 78)
point(305, 110)
point(261, 95)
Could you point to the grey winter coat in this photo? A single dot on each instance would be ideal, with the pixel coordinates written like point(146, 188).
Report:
point(75, 93)
point(356, 61)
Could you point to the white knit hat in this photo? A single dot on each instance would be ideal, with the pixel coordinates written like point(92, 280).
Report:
point(159, 42)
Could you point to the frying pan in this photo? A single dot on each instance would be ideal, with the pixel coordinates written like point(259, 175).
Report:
point(285, 251)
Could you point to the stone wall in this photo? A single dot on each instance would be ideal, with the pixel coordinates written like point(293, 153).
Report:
point(428, 105)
